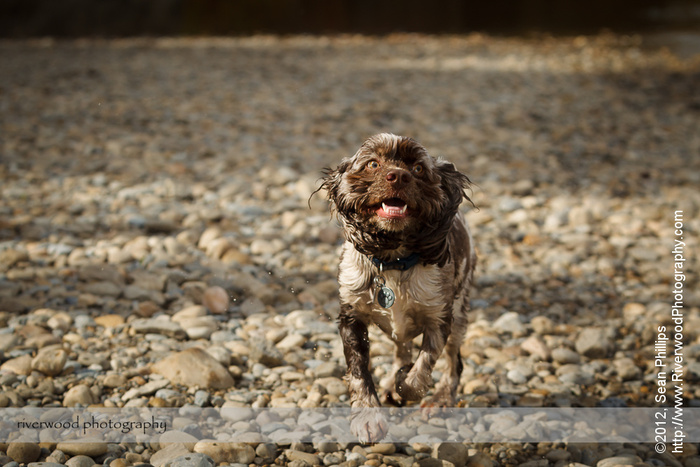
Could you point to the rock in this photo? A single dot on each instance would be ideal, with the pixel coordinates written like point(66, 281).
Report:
point(80, 461)
point(191, 460)
point(216, 300)
point(148, 281)
point(178, 437)
point(9, 341)
point(97, 272)
point(558, 455)
point(479, 459)
point(432, 462)
point(510, 322)
point(594, 343)
point(261, 351)
point(308, 458)
point(230, 453)
point(167, 453)
point(61, 321)
point(334, 386)
point(384, 449)
point(199, 328)
point(291, 342)
point(456, 453)
point(114, 381)
point(534, 345)
point(21, 365)
point(627, 369)
point(516, 377)
point(574, 374)
point(147, 309)
point(619, 460)
point(23, 452)
point(157, 326)
point(266, 451)
point(267, 247)
point(145, 390)
point(103, 288)
point(84, 447)
point(194, 368)
point(109, 321)
point(190, 312)
point(563, 355)
point(79, 395)
point(252, 306)
point(50, 361)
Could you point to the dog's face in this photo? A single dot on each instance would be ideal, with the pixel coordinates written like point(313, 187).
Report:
point(393, 194)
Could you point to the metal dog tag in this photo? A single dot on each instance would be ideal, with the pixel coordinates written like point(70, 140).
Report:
point(384, 296)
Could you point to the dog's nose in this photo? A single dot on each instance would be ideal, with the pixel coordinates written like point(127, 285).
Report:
point(398, 176)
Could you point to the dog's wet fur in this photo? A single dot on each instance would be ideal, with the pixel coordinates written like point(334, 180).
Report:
point(395, 201)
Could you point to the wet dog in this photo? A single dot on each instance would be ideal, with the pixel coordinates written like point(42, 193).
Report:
point(406, 266)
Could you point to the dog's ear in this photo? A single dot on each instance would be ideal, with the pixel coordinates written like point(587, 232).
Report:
point(332, 179)
point(454, 183)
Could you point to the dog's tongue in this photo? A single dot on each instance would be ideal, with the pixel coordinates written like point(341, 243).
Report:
point(392, 209)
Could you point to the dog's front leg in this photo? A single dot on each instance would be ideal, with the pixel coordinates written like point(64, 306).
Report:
point(367, 423)
point(412, 383)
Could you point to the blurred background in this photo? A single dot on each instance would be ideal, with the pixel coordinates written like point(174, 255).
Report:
point(110, 18)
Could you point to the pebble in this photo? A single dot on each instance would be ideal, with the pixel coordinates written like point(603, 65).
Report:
point(456, 453)
point(157, 326)
point(84, 447)
point(109, 321)
point(534, 345)
point(50, 361)
point(290, 342)
point(216, 300)
point(305, 457)
point(145, 390)
point(510, 322)
point(563, 355)
point(78, 395)
point(23, 452)
point(194, 367)
point(619, 460)
point(191, 460)
point(238, 453)
point(80, 461)
point(594, 343)
point(169, 452)
point(21, 365)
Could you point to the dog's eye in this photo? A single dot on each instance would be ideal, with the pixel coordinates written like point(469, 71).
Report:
point(418, 169)
point(373, 165)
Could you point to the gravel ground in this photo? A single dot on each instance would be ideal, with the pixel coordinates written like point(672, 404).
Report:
point(158, 249)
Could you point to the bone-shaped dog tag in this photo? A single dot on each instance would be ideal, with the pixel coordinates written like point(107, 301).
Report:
point(384, 296)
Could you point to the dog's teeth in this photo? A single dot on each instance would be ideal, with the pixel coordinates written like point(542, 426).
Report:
point(395, 210)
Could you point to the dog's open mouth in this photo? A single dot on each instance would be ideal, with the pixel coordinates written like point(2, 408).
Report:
point(393, 208)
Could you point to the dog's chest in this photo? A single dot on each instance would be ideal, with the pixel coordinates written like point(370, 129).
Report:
point(419, 295)
point(418, 301)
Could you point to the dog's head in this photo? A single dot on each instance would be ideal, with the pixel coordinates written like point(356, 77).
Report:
point(393, 198)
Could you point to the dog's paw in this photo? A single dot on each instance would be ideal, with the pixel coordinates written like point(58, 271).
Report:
point(368, 424)
point(390, 397)
point(410, 384)
point(440, 403)
point(439, 399)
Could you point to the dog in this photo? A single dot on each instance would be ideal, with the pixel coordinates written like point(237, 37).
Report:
point(406, 266)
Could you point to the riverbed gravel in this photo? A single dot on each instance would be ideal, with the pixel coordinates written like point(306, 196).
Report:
point(160, 245)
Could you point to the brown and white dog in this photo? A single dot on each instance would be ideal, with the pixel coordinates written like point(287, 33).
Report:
point(406, 266)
